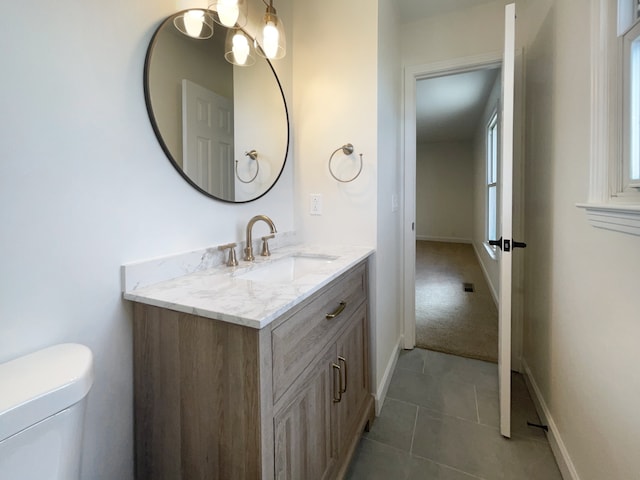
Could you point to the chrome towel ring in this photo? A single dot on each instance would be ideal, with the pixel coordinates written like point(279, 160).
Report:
point(347, 149)
point(253, 155)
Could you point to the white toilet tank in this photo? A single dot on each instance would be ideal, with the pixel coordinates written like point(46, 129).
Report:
point(42, 402)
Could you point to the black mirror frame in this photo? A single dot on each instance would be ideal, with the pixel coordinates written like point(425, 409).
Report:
point(165, 148)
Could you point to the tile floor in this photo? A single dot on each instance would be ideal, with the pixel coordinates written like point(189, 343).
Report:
point(440, 422)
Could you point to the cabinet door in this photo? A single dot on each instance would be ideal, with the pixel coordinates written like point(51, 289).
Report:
point(305, 442)
point(353, 356)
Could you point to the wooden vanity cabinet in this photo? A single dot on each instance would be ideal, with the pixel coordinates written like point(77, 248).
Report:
point(351, 346)
point(214, 400)
point(305, 434)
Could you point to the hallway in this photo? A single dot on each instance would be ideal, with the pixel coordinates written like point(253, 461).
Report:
point(440, 422)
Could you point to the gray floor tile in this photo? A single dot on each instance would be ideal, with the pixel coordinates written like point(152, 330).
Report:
point(394, 426)
point(412, 360)
point(440, 421)
point(447, 396)
point(452, 367)
point(522, 411)
point(376, 461)
point(422, 469)
point(481, 450)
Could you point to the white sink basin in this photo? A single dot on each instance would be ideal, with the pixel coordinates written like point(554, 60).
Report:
point(287, 269)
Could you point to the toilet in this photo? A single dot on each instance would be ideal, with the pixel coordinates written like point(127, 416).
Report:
point(42, 403)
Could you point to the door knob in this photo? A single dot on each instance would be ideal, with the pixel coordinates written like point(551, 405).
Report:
point(507, 244)
point(496, 243)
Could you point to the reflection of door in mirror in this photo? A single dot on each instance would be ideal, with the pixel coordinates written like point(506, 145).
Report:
point(207, 139)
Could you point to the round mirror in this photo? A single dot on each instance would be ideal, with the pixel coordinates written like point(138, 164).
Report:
point(225, 128)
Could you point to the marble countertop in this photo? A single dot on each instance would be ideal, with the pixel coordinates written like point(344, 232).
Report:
point(220, 293)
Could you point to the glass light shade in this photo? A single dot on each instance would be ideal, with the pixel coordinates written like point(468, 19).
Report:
point(195, 23)
point(271, 41)
point(238, 48)
point(230, 13)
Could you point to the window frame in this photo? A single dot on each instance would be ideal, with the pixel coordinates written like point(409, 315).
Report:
point(629, 105)
point(607, 206)
point(493, 124)
point(492, 178)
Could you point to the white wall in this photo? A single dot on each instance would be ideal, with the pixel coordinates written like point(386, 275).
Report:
point(347, 91)
point(444, 191)
point(85, 187)
point(582, 323)
point(334, 103)
point(457, 34)
point(388, 314)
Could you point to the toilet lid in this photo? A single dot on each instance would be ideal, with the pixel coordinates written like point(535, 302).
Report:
point(41, 384)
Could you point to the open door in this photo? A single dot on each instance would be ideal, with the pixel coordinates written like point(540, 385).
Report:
point(506, 243)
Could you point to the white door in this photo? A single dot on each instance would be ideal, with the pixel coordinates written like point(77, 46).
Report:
point(207, 140)
point(506, 221)
point(506, 192)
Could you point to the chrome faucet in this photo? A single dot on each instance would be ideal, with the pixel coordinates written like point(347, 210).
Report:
point(248, 251)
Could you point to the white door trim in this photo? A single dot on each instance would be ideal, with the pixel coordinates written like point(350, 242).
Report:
point(411, 75)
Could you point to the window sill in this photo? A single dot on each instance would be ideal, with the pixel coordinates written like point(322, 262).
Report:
point(491, 250)
point(619, 218)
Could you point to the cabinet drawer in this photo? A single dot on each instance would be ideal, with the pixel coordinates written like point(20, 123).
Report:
point(303, 335)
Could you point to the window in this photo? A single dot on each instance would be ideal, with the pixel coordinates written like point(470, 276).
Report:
point(492, 178)
point(630, 107)
point(614, 189)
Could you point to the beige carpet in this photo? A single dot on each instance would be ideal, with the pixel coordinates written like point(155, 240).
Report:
point(448, 319)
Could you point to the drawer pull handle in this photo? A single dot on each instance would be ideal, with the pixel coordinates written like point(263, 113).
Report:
point(343, 385)
point(337, 392)
point(341, 307)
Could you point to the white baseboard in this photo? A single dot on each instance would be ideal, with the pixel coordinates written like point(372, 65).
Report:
point(494, 294)
point(381, 393)
point(567, 469)
point(430, 238)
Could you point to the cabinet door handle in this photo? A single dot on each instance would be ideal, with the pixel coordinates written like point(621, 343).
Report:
point(337, 392)
point(343, 386)
point(337, 312)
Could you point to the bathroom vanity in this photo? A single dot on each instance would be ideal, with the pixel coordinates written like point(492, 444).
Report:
point(223, 390)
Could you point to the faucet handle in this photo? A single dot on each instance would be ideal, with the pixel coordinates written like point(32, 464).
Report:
point(233, 261)
point(265, 245)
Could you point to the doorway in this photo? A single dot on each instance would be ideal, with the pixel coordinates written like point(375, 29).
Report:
point(442, 73)
point(455, 310)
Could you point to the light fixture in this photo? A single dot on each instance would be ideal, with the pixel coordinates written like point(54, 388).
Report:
point(230, 13)
point(237, 48)
point(194, 19)
point(271, 41)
